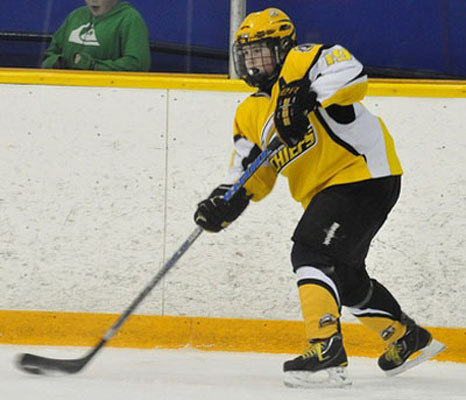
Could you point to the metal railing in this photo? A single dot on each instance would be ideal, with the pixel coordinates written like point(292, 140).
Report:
point(155, 45)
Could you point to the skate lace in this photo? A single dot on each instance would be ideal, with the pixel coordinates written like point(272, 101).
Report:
point(393, 353)
point(315, 349)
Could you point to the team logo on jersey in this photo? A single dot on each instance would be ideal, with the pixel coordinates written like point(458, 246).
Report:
point(85, 35)
point(289, 154)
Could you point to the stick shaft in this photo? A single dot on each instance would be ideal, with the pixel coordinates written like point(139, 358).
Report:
point(143, 294)
point(253, 167)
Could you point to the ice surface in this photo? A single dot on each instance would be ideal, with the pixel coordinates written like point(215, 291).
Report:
point(187, 374)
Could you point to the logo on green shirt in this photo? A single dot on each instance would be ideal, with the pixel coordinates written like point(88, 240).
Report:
point(85, 35)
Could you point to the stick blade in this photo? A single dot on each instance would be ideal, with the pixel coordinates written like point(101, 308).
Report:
point(38, 365)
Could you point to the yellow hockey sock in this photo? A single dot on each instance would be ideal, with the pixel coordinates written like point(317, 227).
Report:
point(319, 303)
point(388, 329)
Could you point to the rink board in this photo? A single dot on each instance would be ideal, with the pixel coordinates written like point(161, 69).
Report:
point(146, 331)
point(210, 334)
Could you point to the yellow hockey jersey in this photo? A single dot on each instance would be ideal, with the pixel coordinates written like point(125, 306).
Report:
point(332, 152)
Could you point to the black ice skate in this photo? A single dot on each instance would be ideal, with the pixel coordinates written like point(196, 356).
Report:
point(415, 347)
point(322, 365)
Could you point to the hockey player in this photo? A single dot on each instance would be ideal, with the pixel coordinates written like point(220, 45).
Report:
point(341, 165)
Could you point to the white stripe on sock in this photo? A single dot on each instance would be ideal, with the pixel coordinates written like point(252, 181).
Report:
point(315, 273)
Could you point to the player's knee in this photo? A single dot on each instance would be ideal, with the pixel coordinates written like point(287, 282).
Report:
point(303, 256)
point(355, 288)
point(353, 283)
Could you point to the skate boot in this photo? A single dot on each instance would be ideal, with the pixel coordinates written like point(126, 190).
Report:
point(322, 365)
point(415, 347)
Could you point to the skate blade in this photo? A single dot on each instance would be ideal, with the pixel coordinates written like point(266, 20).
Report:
point(431, 350)
point(328, 378)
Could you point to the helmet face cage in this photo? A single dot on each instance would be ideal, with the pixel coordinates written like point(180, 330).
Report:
point(259, 62)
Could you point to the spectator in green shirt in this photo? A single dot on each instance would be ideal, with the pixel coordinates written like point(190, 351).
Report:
point(105, 35)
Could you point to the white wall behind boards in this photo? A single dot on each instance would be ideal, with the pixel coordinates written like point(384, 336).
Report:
point(82, 195)
point(98, 187)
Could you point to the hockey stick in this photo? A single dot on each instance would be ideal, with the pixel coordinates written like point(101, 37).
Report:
point(41, 365)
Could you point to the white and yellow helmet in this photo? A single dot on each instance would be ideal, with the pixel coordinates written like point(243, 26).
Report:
point(272, 27)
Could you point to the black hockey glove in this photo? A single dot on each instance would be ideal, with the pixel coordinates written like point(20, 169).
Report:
point(294, 102)
point(213, 214)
